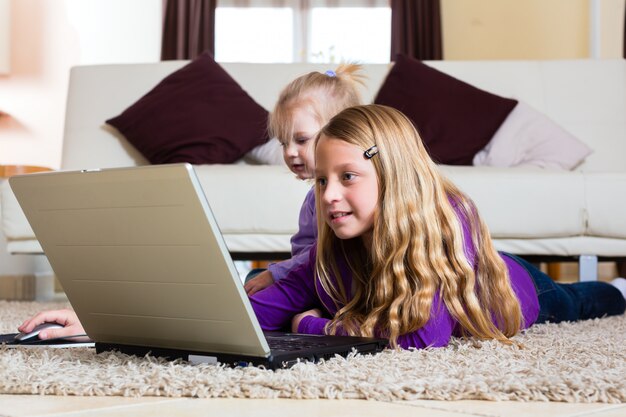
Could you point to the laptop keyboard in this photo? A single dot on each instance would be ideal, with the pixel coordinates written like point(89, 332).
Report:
point(293, 343)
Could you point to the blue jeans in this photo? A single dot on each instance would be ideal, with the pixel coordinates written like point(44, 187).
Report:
point(571, 302)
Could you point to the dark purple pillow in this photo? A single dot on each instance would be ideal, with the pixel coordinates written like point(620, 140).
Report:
point(197, 114)
point(454, 119)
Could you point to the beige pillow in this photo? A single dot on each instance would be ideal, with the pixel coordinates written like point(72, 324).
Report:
point(269, 153)
point(528, 137)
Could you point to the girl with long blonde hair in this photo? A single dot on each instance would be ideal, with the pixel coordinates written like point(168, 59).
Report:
point(402, 253)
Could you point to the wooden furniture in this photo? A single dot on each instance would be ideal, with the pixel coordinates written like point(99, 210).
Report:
point(7, 171)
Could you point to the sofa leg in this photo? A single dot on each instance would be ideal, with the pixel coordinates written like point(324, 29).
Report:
point(588, 268)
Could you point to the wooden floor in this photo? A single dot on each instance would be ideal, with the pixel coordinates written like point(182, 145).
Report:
point(34, 405)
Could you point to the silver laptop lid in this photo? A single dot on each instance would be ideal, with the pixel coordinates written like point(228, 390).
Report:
point(141, 258)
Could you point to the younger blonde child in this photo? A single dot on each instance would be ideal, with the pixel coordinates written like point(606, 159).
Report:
point(303, 107)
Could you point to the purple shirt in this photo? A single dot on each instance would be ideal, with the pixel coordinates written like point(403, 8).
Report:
point(300, 291)
point(302, 241)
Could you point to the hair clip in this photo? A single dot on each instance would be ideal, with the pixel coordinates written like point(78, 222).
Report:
point(369, 153)
point(330, 73)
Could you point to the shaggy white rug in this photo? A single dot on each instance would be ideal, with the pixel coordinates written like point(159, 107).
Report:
point(572, 362)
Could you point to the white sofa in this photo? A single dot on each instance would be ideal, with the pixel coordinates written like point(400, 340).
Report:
point(530, 211)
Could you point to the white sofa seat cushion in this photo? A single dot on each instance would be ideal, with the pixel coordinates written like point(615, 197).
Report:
point(605, 204)
point(543, 203)
point(525, 202)
point(232, 190)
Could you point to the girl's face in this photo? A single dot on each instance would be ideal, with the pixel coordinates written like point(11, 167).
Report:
point(348, 188)
point(298, 150)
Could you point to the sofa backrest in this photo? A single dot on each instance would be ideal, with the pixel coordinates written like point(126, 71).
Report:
point(586, 97)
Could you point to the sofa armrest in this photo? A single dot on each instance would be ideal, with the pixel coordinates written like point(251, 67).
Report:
point(13, 223)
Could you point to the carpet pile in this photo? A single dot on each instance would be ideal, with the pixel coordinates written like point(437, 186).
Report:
point(568, 362)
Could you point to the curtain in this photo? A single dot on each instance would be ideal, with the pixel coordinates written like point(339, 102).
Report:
point(188, 28)
point(416, 29)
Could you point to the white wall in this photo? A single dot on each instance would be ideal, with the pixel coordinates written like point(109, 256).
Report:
point(5, 32)
point(46, 38)
point(116, 31)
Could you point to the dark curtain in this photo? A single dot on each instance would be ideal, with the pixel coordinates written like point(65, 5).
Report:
point(416, 29)
point(624, 48)
point(188, 28)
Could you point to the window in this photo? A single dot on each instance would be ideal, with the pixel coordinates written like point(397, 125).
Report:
point(303, 31)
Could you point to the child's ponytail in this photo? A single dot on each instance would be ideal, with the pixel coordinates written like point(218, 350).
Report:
point(324, 93)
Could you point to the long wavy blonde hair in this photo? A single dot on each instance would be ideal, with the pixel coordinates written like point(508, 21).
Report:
point(418, 246)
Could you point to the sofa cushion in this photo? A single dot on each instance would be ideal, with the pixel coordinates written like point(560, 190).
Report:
point(605, 204)
point(528, 137)
point(520, 202)
point(14, 223)
point(454, 119)
point(197, 114)
point(269, 153)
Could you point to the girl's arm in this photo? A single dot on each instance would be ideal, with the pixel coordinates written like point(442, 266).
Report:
point(306, 235)
point(276, 305)
point(436, 333)
point(310, 324)
point(281, 269)
point(301, 242)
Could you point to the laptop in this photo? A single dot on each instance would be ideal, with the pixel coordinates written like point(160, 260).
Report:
point(143, 263)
